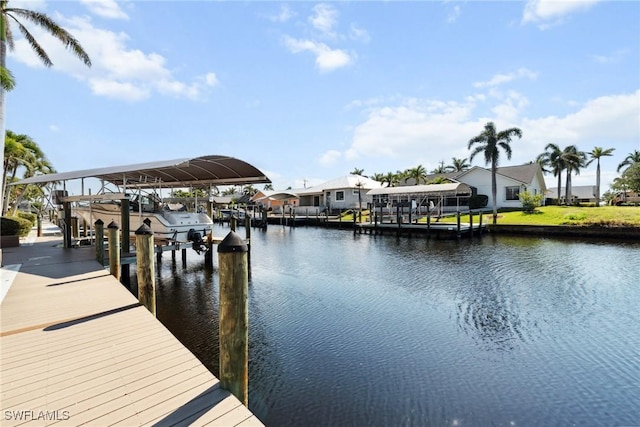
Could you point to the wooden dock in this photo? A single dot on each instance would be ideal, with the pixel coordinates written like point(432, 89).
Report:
point(76, 348)
point(438, 230)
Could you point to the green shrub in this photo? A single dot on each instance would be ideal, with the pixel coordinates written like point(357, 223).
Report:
point(14, 225)
point(478, 201)
point(29, 216)
point(530, 201)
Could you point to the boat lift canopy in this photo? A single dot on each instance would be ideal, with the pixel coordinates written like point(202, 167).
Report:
point(199, 171)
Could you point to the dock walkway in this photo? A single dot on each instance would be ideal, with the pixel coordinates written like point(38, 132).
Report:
point(76, 348)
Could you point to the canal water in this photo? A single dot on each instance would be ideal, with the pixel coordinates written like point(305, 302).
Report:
point(384, 331)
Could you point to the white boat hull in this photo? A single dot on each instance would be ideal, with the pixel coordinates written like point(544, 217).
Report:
point(173, 226)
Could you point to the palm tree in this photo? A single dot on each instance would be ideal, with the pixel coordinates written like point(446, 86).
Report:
point(419, 174)
point(8, 14)
point(595, 154)
point(629, 160)
point(440, 169)
point(391, 179)
point(552, 157)
point(573, 160)
point(268, 187)
point(377, 177)
point(458, 165)
point(357, 171)
point(22, 152)
point(490, 141)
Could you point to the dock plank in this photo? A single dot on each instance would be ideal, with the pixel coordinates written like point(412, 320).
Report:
point(76, 348)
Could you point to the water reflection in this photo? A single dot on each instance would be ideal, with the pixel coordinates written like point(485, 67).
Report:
point(376, 330)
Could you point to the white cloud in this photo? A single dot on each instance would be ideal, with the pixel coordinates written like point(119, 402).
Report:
point(330, 158)
point(105, 8)
point(358, 33)
point(454, 14)
point(327, 59)
point(427, 131)
point(500, 79)
point(611, 58)
point(284, 15)
point(324, 19)
point(551, 12)
point(117, 71)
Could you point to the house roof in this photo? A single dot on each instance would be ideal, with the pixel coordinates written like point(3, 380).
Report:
point(452, 189)
point(523, 173)
point(579, 191)
point(349, 181)
point(218, 170)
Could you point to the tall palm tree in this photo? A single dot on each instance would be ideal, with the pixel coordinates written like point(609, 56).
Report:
point(490, 142)
point(391, 179)
point(418, 173)
point(13, 15)
point(595, 154)
point(552, 157)
point(458, 165)
point(632, 158)
point(357, 171)
point(573, 160)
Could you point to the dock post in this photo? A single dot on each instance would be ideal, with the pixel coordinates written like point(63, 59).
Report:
point(458, 224)
point(248, 240)
point(99, 226)
point(429, 223)
point(114, 250)
point(234, 316)
point(264, 218)
point(480, 224)
point(66, 220)
point(184, 257)
point(354, 223)
point(470, 224)
point(125, 236)
point(74, 227)
point(39, 224)
point(146, 268)
point(232, 222)
point(208, 255)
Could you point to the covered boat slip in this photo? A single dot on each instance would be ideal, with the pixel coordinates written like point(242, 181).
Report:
point(199, 172)
point(420, 200)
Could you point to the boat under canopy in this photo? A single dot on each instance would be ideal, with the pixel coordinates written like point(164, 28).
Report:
point(199, 171)
point(173, 225)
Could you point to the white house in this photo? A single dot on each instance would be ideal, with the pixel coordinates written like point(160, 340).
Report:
point(347, 192)
point(510, 182)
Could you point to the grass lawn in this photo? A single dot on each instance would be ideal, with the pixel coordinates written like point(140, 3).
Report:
point(566, 215)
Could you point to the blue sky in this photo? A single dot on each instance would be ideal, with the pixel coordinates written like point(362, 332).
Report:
point(308, 91)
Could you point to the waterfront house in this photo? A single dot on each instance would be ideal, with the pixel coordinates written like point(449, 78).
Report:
point(275, 200)
point(510, 182)
point(337, 195)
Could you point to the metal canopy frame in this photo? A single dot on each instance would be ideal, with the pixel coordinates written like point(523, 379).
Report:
point(199, 171)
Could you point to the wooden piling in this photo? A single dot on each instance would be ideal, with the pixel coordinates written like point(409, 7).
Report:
point(470, 225)
point(99, 227)
point(458, 224)
point(66, 220)
point(234, 316)
point(480, 224)
point(146, 268)
point(74, 227)
point(125, 242)
point(114, 250)
point(39, 224)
